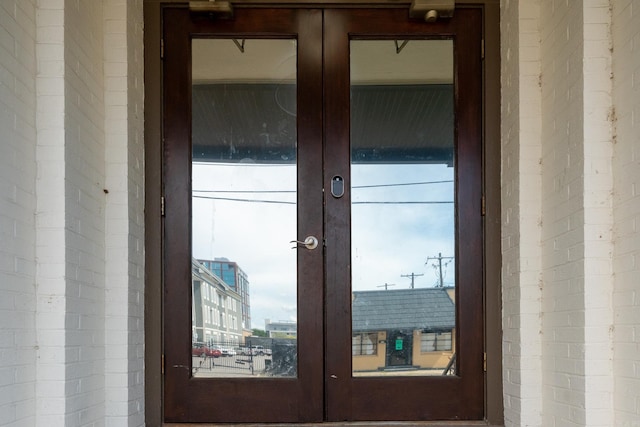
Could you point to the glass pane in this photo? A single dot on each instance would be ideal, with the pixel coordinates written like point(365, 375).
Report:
point(403, 223)
point(244, 208)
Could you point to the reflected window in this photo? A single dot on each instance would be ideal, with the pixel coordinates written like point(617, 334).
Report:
point(403, 236)
point(435, 341)
point(364, 344)
point(244, 201)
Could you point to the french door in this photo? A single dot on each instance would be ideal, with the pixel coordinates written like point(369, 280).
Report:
point(322, 220)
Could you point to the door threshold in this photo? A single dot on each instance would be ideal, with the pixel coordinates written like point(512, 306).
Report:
point(354, 424)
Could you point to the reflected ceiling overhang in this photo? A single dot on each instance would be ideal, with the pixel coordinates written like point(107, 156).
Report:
point(256, 123)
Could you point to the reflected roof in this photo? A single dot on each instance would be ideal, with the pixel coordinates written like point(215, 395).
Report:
point(403, 309)
point(256, 123)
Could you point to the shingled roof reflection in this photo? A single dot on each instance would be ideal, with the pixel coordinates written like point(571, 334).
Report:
point(411, 309)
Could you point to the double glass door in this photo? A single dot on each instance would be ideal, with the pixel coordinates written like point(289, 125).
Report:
point(323, 226)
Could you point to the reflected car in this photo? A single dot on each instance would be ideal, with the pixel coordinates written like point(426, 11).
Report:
point(244, 351)
point(204, 351)
point(261, 351)
point(227, 351)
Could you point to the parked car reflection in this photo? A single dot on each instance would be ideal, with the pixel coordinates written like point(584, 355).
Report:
point(200, 349)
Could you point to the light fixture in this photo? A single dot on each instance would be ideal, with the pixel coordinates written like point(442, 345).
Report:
point(431, 10)
point(223, 9)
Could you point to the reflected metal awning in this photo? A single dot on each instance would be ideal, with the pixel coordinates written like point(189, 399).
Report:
point(257, 123)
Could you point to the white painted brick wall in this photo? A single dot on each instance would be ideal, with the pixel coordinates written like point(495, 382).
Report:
point(521, 195)
point(90, 213)
point(562, 240)
point(17, 212)
point(626, 171)
point(574, 230)
point(50, 218)
point(598, 207)
point(125, 213)
point(85, 211)
point(576, 236)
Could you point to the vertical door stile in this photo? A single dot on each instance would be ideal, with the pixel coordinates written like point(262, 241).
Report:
point(337, 218)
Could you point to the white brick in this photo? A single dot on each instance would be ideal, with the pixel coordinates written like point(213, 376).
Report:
point(583, 225)
point(521, 293)
point(17, 204)
point(626, 210)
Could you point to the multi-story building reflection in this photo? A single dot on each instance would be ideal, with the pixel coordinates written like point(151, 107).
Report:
point(216, 308)
point(235, 278)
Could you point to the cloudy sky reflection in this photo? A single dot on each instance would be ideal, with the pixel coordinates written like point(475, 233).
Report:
point(402, 215)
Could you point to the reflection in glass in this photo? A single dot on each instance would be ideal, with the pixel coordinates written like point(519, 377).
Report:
point(243, 208)
point(402, 192)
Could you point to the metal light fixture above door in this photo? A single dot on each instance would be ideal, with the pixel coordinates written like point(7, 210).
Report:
point(214, 7)
point(431, 10)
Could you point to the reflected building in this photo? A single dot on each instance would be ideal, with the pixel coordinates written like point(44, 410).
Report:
point(403, 329)
point(281, 328)
point(216, 308)
point(236, 278)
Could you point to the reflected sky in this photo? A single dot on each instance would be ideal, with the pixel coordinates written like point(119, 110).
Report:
point(402, 215)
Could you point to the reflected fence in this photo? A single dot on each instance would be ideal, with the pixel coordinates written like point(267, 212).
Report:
point(270, 358)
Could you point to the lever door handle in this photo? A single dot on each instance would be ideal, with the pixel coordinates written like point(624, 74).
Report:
point(311, 242)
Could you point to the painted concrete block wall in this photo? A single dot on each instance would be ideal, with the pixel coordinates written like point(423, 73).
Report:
point(17, 212)
point(626, 203)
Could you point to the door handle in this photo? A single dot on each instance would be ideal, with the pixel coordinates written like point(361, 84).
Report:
point(311, 242)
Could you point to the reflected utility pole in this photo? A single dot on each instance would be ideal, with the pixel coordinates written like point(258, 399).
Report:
point(413, 276)
point(438, 266)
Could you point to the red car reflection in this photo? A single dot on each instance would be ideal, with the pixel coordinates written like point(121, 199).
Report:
point(204, 351)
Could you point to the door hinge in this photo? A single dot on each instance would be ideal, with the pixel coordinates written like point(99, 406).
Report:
point(161, 48)
point(482, 48)
point(484, 362)
point(162, 364)
point(162, 205)
point(483, 207)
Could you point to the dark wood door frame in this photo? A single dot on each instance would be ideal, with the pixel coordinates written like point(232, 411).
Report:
point(153, 272)
point(380, 398)
point(194, 399)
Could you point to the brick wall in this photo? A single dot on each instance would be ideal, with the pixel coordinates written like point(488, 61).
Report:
point(521, 194)
point(575, 239)
point(50, 218)
point(71, 204)
point(125, 212)
point(626, 202)
point(563, 216)
point(17, 212)
point(598, 214)
point(70, 227)
point(577, 216)
point(84, 212)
